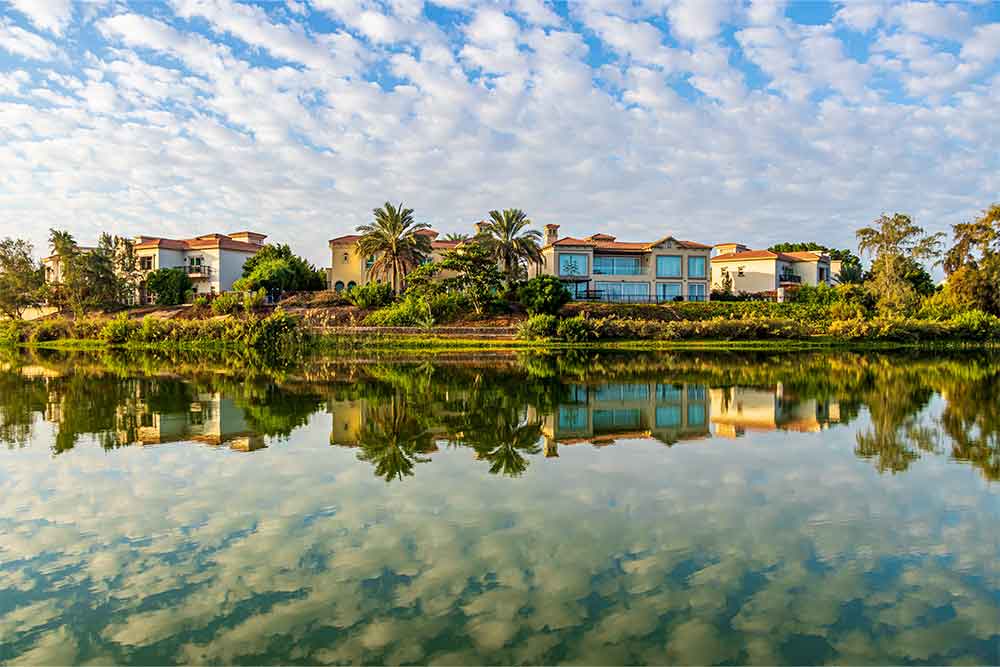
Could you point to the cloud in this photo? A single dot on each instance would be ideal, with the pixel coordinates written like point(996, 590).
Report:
point(49, 15)
point(20, 42)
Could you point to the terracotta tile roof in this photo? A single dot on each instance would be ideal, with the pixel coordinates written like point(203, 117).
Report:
point(343, 240)
point(444, 245)
point(608, 242)
point(750, 255)
point(205, 242)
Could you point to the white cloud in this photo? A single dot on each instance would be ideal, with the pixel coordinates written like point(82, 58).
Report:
point(949, 21)
point(697, 19)
point(50, 15)
point(21, 42)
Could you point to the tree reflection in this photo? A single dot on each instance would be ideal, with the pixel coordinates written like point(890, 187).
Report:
point(971, 419)
point(394, 439)
point(503, 437)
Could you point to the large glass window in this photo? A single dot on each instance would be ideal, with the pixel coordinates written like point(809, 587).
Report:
point(626, 292)
point(668, 266)
point(668, 392)
point(618, 418)
point(696, 292)
point(668, 291)
point(621, 392)
point(572, 264)
point(668, 416)
point(577, 290)
point(697, 392)
point(617, 266)
point(572, 418)
point(696, 267)
point(696, 414)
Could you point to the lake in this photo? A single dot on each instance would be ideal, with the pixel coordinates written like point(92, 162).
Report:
point(598, 508)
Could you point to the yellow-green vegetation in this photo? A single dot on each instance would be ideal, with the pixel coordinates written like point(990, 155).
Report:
point(274, 333)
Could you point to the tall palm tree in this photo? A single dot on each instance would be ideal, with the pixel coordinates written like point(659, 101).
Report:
point(395, 240)
point(512, 245)
point(457, 236)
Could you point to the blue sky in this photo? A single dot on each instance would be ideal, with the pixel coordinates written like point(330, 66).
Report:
point(714, 121)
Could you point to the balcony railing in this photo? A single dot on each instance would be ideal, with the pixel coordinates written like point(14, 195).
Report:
point(790, 278)
point(600, 295)
point(196, 270)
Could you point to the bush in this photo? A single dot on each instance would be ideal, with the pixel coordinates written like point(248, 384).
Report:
point(940, 306)
point(409, 312)
point(372, 295)
point(254, 300)
point(47, 330)
point(538, 327)
point(543, 295)
point(200, 302)
point(975, 325)
point(447, 307)
point(227, 304)
point(118, 330)
point(12, 332)
point(152, 330)
point(575, 330)
point(168, 286)
point(88, 328)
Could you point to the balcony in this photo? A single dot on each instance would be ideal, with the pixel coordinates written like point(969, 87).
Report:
point(196, 270)
point(790, 278)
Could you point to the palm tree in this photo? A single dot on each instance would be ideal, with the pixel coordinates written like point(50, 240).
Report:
point(457, 236)
point(512, 246)
point(395, 240)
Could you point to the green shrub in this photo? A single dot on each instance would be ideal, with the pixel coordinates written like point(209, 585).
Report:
point(975, 325)
point(227, 304)
point(118, 330)
point(152, 330)
point(168, 286)
point(575, 330)
point(447, 307)
point(200, 302)
point(12, 332)
point(372, 295)
point(88, 328)
point(409, 312)
point(254, 300)
point(543, 295)
point(939, 307)
point(43, 331)
point(538, 327)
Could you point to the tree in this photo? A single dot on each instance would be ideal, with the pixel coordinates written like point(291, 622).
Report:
point(476, 276)
point(457, 237)
point(299, 276)
point(93, 277)
point(897, 246)
point(21, 278)
point(973, 262)
point(169, 286)
point(510, 243)
point(543, 295)
point(851, 270)
point(396, 242)
point(273, 275)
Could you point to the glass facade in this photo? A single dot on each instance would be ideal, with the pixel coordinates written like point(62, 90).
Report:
point(621, 392)
point(668, 266)
point(668, 291)
point(572, 264)
point(696, 267)
point(623, 291)
point(668, 416)
point(696, 292)
point(622, 417)
point(668, 392)
point(617, 266)
point(696, 414)
point(572, 418)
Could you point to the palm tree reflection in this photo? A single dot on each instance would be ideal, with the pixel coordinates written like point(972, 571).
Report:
point(393, 439)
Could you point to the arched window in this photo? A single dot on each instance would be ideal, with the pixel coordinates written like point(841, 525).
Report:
point(351, 285)
point(338, 286)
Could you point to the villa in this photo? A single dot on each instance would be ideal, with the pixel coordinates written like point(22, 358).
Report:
point(600, 267)
point(212, 261)
point(767, 272)
point(349, 269)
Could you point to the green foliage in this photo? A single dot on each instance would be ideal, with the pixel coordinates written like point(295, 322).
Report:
point(410, 312)
point(976, 325)
point(118, 330)
point(821, 294)
point(850, 268)
point(22, 279)
point(12, 332)
point(544, 295)
point(576, 330)
point(396, 241)
point(510, 243)
point(898, 280)
point(254, 300)
point(277, 269)
point(227, 304)
point(977, 285)
point(168, 286)
point(200, 302)
point(372, 295)
point(477, 276)
point(538, 327)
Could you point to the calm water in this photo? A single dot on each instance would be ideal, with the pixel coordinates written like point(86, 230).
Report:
point(670, 508)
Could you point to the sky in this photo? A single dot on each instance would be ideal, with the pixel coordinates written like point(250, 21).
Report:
point(758, 122)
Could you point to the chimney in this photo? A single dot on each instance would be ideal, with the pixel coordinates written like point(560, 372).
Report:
point(551, 234)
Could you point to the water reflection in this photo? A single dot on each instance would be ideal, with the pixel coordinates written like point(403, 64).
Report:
point(732, 520)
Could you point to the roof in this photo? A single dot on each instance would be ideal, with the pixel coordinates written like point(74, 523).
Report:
point(204, 242)
point(351, 239)
point(751, 255)
point(608, 242)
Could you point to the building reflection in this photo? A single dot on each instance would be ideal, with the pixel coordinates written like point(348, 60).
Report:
point(737, 410)
point(210, 419)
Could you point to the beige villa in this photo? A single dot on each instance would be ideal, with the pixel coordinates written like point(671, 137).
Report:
point(600, 267)
point(348, 268)
point(212, 261)
point(766, 272)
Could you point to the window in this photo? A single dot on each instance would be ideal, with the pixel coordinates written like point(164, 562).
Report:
point(347, 258)
point(369, 262)
point(577, 290)
point(146, 263)
point(626, 292)
point(668, 266)
point(195, 261)
point(617, 266)
point(572, 264)
point(697, 392)
point(338, 286)
point(696, 267)
point(351, 285)
point(739, 271)
point(669, 292)
point(696, 292)
point(668, 392)
point(621, 392)
point(618, 418)
point(572, 418)
point(696, 414)
point(668, 416)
